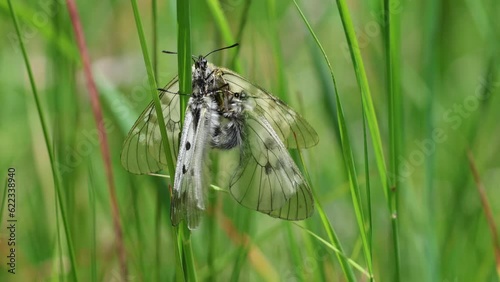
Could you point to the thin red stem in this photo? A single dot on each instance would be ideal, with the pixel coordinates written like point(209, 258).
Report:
point(487, 209)
point(96, 109)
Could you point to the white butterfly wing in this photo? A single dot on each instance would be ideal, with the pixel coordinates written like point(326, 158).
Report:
point(191, 173)
point(292, 129)
point(267, 179)
point(142, 151)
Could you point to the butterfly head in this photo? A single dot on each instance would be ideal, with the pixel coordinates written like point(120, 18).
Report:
point(201, 63)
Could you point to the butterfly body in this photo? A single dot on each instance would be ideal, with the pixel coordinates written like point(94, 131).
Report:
point(201, 120)
point(226, 112)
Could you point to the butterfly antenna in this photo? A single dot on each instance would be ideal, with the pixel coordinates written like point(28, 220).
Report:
point(223, 48)
point(169, 52)
point(175, 53)
point(170, 92)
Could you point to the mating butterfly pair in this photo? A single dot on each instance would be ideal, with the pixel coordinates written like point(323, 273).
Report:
point(225, 112)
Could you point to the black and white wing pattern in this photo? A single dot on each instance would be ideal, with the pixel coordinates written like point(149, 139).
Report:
point(293, 130)
point(191, 173)
point(267, 179)
point(142, 151)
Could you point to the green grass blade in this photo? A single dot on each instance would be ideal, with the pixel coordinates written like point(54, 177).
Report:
point(55, 172)
point(347, 153)
point(338, 252)
point(211, 238)
point(239, 262)
point(392, 45)
point(93, 230)
point(152, 88)
point(224, 28)
point(184, 59)
point(332, 235)
point(154, 19)
point(188, 255)
point(58, 237)
point(296, 258)
point(159, 206)
point(4, 199)
point(178, 251)
point(136, 199)
point(317, 254)
point(221, 21)
point(368, 190)
point(277, 54)
point(26, 16)
point(365, 93)
point(370, 110)
point(430, 74)
point(161, 121)
point(239, 34)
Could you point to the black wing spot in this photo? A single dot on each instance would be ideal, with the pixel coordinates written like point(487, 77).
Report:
point(270, 144)
point(188, 146)
point(279, 164)
point(184, 170)
point(268, 168)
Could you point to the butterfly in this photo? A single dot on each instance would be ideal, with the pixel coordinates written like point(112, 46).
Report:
point(225, 112)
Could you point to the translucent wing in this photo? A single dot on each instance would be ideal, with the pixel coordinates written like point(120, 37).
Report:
point(188, 195)
point(292, 129)
point(142, 151)
point(267, 179)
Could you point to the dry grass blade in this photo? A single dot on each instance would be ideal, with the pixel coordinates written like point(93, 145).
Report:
point(487, 209)
point(257, 258)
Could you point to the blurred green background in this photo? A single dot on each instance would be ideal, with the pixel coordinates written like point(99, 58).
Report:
point(449, 106)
